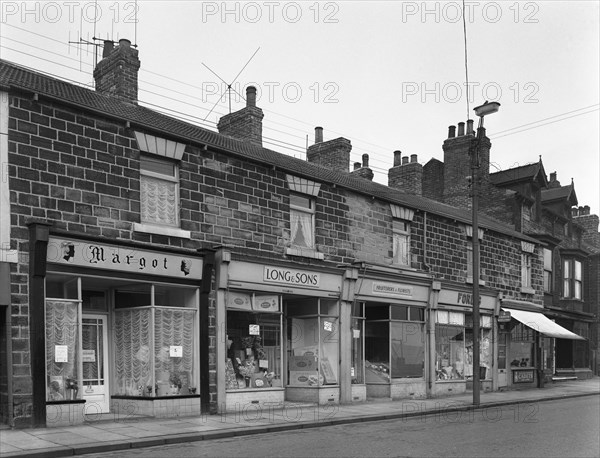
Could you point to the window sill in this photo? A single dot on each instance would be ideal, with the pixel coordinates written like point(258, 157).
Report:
point(527, 290)
point(305, 253)
point(161, 230)
point(469, 280)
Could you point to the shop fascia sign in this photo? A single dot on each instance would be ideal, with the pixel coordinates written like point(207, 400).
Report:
point(122, 259)
point(291, 277)
point(393, 289)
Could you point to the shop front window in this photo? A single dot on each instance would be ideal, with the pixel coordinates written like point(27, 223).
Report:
point(521, 345)
point(62, 350)
point(313, 342)
point(449, 346)
point(395, 342)
point(253, 341)
point(357, 370)
point(485, 347)
point(155, 341)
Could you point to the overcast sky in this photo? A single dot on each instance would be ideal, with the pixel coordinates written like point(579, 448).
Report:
point(386, 75)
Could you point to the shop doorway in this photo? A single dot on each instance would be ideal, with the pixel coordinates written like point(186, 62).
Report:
point(95, 377)
point(502, 373)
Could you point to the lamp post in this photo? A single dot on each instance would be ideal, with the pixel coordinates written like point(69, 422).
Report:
point(481, 111)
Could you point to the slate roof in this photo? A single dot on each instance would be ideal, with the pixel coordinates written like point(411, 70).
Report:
point(17, 77)
point(560, 193)
point(527, 172)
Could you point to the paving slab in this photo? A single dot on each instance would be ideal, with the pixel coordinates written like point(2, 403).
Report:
point(106, 435)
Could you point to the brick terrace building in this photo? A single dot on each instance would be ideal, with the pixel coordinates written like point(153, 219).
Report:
point(157, 268)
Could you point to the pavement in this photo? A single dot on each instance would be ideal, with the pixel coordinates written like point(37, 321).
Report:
point(125, 432)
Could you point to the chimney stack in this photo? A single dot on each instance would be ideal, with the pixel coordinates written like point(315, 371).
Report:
point(318, 135)
point(117, 73)
point(553, 183)
point(406, 176)
point(470, 127)
point(363, 170)
point(244, 124)
point(589, 223)
point(457, 166)
point(332, 154)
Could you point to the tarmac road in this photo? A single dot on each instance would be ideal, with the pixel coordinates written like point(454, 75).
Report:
point(558, 428)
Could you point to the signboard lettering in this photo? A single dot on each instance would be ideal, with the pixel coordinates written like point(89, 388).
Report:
point(392, 288)
point(523, 376)
point(466, 299)
point(112, 257)
point(286, 276)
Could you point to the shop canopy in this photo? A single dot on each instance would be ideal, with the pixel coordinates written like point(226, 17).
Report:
point(542, 324)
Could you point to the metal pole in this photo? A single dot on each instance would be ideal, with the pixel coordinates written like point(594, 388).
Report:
point(475, 238)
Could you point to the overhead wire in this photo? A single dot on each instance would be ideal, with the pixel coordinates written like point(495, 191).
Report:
point(286, 145)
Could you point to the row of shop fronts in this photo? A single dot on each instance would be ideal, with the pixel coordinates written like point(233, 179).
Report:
point(129, 327)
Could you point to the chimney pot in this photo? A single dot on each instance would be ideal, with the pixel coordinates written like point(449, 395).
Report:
point(586, 210)
point(251, 96)
point(356, 165)
point(109, 45)
point(451, 131)
point(318, 135)
point(365, 160)
point(469, 126)
point(397, 158)
point(413, 158)
point(405, 160)
point(124, 43)
point(461, 129)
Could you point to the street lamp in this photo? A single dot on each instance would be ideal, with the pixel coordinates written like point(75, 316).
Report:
point(483, 110)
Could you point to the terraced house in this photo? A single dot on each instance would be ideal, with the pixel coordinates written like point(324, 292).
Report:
point(152, 267)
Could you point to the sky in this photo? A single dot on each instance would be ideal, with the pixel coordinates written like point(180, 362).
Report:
point(386, 75)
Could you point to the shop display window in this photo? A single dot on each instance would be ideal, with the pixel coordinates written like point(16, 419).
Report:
point(155, 345)
point(357, 370)
point(62, 349)
point(449, 346)
point(253, 341)
point(522, 345)
point(485, 347)
point(394, 342)
point(313, 342)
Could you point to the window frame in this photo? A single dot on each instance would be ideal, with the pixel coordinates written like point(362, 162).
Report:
point(572, 279)
point(526, 270)
point(401, 234)
point(310, 210)
point(162, 177)
point(548, 270)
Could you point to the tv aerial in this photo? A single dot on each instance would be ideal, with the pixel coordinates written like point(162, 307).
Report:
point(229, 86)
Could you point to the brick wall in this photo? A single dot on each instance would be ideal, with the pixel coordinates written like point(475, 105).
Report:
point(370, 230)
point(333, 154)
